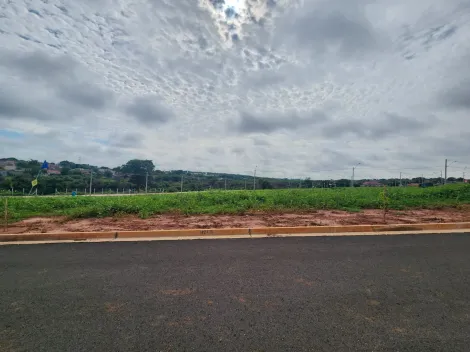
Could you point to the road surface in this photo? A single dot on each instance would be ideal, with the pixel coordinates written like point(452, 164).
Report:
point(372, 293)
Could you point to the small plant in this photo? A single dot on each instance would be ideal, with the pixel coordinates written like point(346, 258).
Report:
point(385, 201)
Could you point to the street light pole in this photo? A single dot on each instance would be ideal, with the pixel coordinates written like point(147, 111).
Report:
point(254, 178)
point(445, 172)
point(146, 181)
point(91, 179)
point(447, 164)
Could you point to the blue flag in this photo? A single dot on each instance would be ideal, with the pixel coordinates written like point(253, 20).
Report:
point(45, 165)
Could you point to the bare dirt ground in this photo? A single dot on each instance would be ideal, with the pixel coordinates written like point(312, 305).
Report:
point(260, 219)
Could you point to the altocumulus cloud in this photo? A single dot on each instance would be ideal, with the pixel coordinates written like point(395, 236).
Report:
point(149, 110)
point(295, 87)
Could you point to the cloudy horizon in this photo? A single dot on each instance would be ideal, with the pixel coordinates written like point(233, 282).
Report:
point(299, 88)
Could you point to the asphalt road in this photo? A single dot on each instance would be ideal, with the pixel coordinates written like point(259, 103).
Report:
point(389, 293)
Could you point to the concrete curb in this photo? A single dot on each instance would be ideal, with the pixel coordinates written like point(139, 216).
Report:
point(110, 235)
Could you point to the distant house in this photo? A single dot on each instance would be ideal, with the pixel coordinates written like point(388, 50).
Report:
point(53, 166)
point(83, 171)
point(53, 172)
point(8, 165)
point(103, 170)
point(372, 184)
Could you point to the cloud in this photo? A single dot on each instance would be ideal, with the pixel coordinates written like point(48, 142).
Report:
point(38, 64)
point(85, 95)
point(127, 140)
point(48, 87)
point(330, 26)
point(272, 122)
point(458, 97)
point(149, 110)
point(386, 127)
point(261, 142)
point(295, 87)
point(12, 106)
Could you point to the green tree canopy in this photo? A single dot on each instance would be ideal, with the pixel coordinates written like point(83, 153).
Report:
point(138, 167)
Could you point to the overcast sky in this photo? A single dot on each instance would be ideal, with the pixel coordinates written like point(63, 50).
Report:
point(296, 87)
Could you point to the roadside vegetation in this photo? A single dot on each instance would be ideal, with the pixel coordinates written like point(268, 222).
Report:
point(239, 202)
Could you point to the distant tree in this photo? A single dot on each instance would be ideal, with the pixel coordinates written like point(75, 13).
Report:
point(108, 174)
point(139, 167)
point(343, 183)
point(137, 181)
point(8, 182)
point(65, 171)
point(307, 183)
point(67, 164)
point(265, 184)
point(31, 167)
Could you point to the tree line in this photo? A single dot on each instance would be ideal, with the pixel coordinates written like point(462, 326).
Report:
point(137, 175)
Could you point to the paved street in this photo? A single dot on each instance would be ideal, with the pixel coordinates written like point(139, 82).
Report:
point(373, 293)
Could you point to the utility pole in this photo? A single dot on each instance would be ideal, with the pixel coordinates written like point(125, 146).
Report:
point(181, 189)
point(400, 180)
point(146, 181)
point(447, 164)
point(91, 179)
point(225, 183)
point(445, 172)
point(254, 178)
point(245, 184)
point(352, 178)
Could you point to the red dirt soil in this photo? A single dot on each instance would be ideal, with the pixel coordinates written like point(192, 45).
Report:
point(259, 219)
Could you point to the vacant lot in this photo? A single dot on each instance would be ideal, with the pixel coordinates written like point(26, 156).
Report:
point(241, 202)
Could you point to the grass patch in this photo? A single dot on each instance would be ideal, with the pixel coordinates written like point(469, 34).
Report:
point(239, 202)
